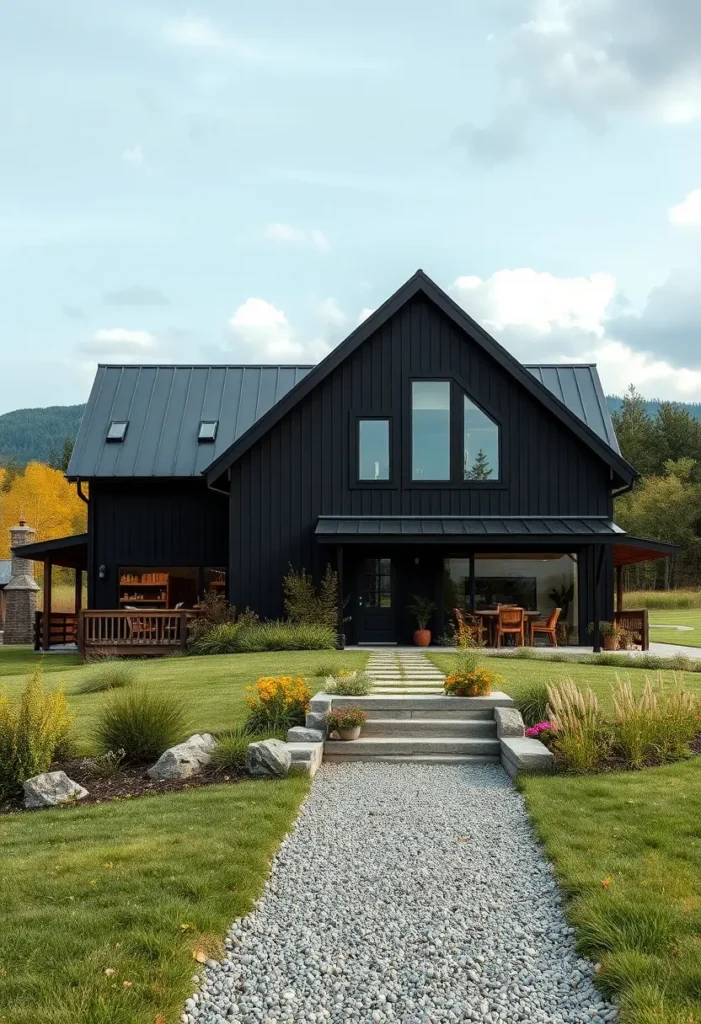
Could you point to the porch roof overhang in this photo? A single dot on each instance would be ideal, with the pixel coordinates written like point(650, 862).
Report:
point(633, 550)
point(70, 552)
point(469, 530)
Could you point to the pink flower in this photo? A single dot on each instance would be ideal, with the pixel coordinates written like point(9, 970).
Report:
point(535, 730)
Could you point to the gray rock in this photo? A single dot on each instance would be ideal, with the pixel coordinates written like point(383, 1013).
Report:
point(52, 789)
point(523, 754)
point(298, 734)
point(509, 722)
point(185, 759)
point(317, 720)
point(268, 757)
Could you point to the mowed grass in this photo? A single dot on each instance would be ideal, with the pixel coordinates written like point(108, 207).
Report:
point(135, 888)
point(519, 673)
point(214, 688)
point(627, 850)
point(662, 599)
point(676, 617)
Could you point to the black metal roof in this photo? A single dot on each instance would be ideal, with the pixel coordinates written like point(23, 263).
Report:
point(164, 406)
point(594, 529)
point(71, 552)
point(577, 385)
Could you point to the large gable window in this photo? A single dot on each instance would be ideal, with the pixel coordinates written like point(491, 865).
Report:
point(481, 443)
point(430, 430)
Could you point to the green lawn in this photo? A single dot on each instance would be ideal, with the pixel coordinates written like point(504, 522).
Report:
point(627, 849)
point(136, 887)
point(676, 617)
point(214, 687)
point(519, 673)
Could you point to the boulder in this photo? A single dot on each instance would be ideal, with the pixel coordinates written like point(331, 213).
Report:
point(298, 734)
point(52, 789)
point(523, 754)
point(185, 759)
point(509, 722)
point(268, 757)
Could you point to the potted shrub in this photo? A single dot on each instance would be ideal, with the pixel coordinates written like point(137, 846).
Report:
point(347, 722)
point(611, 634)
point(471, 682)
point(422, 608)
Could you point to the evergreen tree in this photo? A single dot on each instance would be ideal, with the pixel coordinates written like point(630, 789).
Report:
point(636, 434)
point(13, 470)
point(481, 470)
point(60, 459)
point(677, 435)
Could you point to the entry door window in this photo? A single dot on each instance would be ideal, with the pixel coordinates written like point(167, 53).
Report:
point(378, 582)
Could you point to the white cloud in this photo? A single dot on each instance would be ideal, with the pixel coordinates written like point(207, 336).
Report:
point(134, 156)
point(688, 212)
point(365, 312)
point(265, 333)
point(330, 313)
point(543, 318)
point(195, 32)
point(286, 234)
point(118, 340)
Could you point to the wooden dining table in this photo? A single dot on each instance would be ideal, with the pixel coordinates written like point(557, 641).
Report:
point(489, 618)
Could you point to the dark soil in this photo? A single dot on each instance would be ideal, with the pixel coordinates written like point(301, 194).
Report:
point(127, 783)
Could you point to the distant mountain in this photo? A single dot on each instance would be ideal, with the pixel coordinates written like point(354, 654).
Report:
point(693, 408)
point(28, 435)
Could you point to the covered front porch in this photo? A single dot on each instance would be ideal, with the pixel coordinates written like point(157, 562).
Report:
point(475, 564)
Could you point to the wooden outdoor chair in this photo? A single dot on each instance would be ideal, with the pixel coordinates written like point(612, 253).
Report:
point(471, 624)
point(511, 622)
point(547, 627)
point(635, 621)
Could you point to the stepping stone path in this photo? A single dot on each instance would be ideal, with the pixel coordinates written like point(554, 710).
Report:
point(404, 672)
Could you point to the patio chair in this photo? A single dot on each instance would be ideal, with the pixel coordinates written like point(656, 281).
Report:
point(468, 623)
point(548, 627)
point(511, 622)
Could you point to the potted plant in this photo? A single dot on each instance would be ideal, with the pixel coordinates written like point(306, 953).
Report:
point(347, 722)
point(422, 608)
point(611, 634)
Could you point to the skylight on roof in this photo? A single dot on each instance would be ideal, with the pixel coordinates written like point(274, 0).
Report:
point(117, 430)
point(208, 430)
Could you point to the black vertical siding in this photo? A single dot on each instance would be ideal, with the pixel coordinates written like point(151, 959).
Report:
point(300, 469)
point(152, 523)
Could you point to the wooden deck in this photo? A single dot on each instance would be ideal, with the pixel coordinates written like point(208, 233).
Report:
point(117, 633)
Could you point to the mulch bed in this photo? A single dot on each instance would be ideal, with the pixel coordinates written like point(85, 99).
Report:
point(128, 782)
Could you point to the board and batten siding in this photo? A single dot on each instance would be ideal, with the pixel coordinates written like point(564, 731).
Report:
point(152, 523)
point(301, 468)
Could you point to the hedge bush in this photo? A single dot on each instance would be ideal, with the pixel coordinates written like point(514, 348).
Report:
point(249, 637)
point(141, 723)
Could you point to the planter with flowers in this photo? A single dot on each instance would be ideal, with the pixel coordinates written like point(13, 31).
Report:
point(347, 722)
point(472, 682)
point(611, 634)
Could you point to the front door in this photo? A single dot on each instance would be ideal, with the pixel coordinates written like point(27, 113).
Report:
point(376, 612)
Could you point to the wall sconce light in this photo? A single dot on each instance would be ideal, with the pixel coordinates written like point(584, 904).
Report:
point(416, 561)
point(102, 572)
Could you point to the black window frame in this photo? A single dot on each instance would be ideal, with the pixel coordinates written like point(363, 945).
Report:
point(354, 451)
point(457, 438)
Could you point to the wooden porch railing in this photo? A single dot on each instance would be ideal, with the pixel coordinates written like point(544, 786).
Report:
point(636, 622)
point(133, 632)
point(63, 628)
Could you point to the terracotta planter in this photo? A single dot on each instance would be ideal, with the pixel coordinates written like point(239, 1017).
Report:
point(610, 643)
point(350, 734)
point(422, 637)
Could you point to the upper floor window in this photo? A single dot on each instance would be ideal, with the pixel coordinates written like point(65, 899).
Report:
point(373, 449)
point(430, 430)
point(481, 443)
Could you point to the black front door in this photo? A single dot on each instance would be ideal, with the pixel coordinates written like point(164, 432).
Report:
point(376, 612)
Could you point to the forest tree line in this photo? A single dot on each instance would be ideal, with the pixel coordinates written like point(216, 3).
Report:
point(665, 502)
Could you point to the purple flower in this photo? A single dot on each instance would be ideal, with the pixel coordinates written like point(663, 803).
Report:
point(535, 730)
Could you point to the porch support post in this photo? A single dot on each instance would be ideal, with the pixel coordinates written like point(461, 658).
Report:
point(598, 553)
point(78, 590)
point(46, 615)
point(472, 582)
point(339, 575)
point(619, 588)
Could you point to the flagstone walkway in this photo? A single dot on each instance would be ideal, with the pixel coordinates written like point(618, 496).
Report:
point(404, 672)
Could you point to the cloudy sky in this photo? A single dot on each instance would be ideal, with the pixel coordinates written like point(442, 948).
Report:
point(243, 182)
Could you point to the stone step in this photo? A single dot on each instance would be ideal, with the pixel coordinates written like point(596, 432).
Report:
point(463, 707)
point(396, 745)
point(484, 728)
point(346, 756)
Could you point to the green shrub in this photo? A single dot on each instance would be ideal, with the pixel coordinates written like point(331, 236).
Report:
point(580, 745)
point(214, 611)
point(656, 727)
point(277, 703)
point(532, 702)
point(31, 732)
point(108, 674)
point(140, 723)
point(240, 638)
point(230, 752)
point(350, 684)
point(324, 669)
point(304, 604)
point(221, 639)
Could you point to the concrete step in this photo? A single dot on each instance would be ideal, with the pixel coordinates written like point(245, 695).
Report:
point(409, 747)
point(462, 707)
point(459, 728)
point(343, 757)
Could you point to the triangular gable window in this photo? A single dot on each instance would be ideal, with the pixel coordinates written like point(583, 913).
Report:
point(481, 443)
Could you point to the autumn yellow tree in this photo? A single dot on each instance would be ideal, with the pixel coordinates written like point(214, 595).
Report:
point(43, 497)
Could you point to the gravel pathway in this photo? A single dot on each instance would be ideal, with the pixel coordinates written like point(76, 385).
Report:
point(409, 893)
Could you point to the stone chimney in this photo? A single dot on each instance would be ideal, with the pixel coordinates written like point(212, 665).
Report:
point(21, 591)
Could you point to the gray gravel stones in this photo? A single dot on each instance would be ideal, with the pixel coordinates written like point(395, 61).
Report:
point(408, 893)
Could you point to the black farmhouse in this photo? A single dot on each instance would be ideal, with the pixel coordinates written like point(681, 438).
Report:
point(419, 457)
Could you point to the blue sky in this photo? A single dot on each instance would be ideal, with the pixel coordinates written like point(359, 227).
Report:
point(244, 182)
